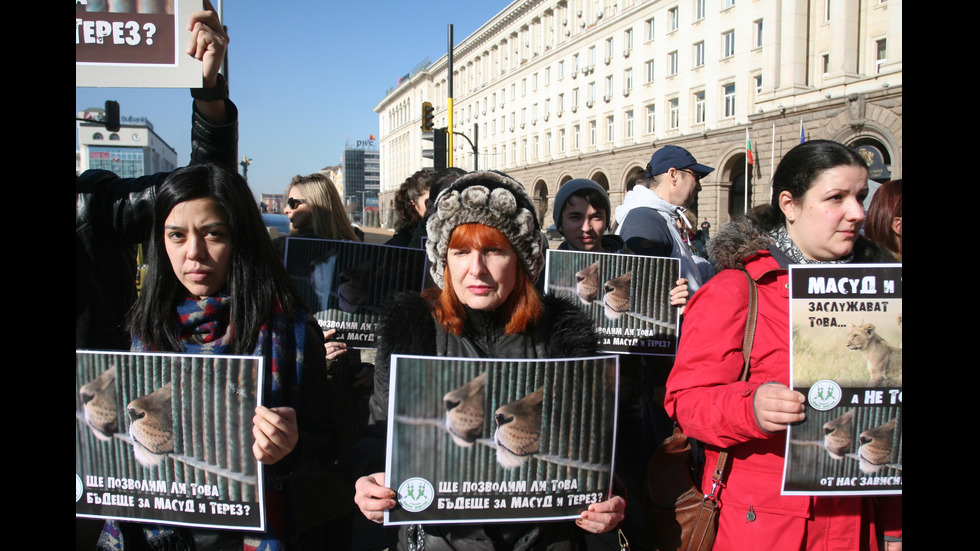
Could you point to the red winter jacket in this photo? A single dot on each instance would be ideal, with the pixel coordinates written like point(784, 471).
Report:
point(705, 397)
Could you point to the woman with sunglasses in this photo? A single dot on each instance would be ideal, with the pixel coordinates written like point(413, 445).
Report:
point(315, 209)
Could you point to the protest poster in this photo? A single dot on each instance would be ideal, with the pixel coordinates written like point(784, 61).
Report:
point(346, 283)
point(626, 296)
point(846, 358)
point(167, 438)
point(135, 44)
point(481, 440)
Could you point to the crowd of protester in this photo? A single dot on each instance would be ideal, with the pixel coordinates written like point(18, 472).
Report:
point(215, 284)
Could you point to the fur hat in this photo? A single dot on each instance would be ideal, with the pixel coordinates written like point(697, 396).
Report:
point(492, 199)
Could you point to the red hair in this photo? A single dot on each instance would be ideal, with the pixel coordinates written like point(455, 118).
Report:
point(886, 205)
point(523, 307)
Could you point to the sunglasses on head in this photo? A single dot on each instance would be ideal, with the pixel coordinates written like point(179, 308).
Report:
point(294, 202)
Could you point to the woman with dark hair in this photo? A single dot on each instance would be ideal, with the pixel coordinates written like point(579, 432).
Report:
point(410, 205)
point(814, 218)
point(486, 252)
point(884, 222)
point(215, 286)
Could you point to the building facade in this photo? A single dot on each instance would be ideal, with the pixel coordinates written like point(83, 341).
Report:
point(135, 150)
point(565, 89)
point(361, 176)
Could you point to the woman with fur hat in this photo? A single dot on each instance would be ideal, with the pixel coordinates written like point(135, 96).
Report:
point(486, 252)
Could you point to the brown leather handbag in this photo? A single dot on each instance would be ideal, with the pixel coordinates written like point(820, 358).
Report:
point(679, 516)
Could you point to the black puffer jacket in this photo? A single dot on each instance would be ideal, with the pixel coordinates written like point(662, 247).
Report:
point(409, 328)
point(112, 215)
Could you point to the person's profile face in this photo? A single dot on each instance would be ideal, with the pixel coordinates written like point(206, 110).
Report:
point(298, 210)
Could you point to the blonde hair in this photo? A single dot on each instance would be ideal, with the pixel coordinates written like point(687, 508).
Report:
point(330, 220)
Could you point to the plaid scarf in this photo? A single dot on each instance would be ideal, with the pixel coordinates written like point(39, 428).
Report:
point(781, 239)
point(203, 327)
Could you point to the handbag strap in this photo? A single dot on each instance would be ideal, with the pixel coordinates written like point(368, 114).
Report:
point(750, 319)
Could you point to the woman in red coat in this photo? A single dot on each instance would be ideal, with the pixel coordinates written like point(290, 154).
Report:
point(815, 216)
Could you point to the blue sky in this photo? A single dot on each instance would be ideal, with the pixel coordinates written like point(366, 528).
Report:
point(305, 75)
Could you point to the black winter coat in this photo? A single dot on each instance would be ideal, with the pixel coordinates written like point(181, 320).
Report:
point(112, 215)
point(409, 328)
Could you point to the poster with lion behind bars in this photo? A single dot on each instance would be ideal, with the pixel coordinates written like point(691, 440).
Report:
point(626, 296)
point(167, 438)
point(346, 284)
point(481, 440)
point(846, 358)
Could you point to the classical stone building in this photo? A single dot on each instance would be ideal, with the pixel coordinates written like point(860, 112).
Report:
point(563, 89)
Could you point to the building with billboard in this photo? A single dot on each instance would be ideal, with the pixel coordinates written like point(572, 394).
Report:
point(562, 89)
point(135, 150)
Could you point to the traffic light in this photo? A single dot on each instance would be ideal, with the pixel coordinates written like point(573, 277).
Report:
point(438, 152)
point(427, 114)
point(111, 115)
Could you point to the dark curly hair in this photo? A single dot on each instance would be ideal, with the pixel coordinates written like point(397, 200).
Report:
point(407, 197)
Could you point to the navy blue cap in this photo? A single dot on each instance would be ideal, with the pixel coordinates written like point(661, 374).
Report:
point(572, 186)
point(672, 156)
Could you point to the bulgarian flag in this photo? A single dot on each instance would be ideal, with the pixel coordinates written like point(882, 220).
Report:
point(748, 148)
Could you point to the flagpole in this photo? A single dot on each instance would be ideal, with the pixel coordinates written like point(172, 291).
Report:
point(772, 160)
point(748, 152)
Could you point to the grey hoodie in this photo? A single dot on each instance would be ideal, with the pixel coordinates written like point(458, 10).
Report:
point(648, 225)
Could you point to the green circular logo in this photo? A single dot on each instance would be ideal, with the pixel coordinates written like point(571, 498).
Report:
point(415, 494)
point(824, 395)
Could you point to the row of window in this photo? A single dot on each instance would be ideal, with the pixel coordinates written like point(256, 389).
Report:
point(674, 16)
point(700, 113)
point(592, 126)
point(496, 61)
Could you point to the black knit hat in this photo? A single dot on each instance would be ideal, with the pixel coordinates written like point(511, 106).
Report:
point(569, 188)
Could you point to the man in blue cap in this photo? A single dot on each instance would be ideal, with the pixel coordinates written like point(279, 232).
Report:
point(650, 212)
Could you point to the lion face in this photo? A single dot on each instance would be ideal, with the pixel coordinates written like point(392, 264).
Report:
point(464, 411)
point(152, 426)
point(617, 295)
point(837, 435)
point(860, 336)
point(518, 432)
point(587, 283)
point(99, 404)
point(876, 447)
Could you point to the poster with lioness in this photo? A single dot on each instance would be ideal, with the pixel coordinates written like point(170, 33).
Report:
point(627, 297)
point(481, 440)
point(846, 358)
point(167, 438)
point(346, 284)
